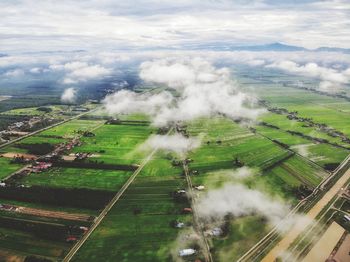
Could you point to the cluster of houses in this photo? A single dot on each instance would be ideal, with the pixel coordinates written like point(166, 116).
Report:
point(22, 128)
point(310, 123)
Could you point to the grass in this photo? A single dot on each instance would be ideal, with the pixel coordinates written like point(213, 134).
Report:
point(147, 236)
point(223, 141)
point(7, 168)
point(28, 244)
point(79, 178)
point(116, 144)
point(243, 234)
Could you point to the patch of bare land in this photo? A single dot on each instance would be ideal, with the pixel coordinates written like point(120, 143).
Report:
point(6, 256)
point(12, 155)
point(343, 252)
point(325, 245)
point(300, 226)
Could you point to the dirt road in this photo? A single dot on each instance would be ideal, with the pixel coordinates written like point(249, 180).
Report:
point(298, 228)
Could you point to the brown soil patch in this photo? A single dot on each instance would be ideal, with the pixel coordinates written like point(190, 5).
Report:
point(6, 256)
point(53, 214)
point(12, 155)
point(343, 253)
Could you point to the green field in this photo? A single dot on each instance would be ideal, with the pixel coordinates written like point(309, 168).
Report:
point(7, 168)
point(116, 144)
point(79, 178)
point(138, 226)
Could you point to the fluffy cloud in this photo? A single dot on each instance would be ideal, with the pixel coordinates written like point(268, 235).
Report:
point(238, 200)
point(78, 71)
point(69, 95)
point(331, 79)
point(99, 24)
point(201, 90)
point(173, 143)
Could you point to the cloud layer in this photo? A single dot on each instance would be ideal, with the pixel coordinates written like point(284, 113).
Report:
point(92, 24)
point(201, 90)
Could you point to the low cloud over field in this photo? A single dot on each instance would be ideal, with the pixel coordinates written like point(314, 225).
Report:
point(202, 90)
point(238, 200)
point(69, 95)
point(173, 143)
point(331, 79)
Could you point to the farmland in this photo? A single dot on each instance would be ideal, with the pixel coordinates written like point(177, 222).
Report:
point(285, 154)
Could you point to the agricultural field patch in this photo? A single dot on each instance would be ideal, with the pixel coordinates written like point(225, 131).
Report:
point(115, 144)
point(78, 178)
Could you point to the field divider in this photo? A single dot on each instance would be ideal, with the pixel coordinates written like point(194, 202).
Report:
point(109, 206)
point(197, 225)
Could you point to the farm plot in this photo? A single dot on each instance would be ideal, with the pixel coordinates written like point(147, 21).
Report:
point(78, 178)
point(333, 112)
point(138, 228)
point(320, 153)
point(115, 144)
point(70, 129)
point(224, 142)
point(7, 167)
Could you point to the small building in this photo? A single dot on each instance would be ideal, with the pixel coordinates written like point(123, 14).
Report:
point(187, 252)
point(200, 188)
point(347, 218)
point(215, 232)
point(180, 225)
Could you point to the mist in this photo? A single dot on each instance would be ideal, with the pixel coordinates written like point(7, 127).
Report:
point(201, 90)
point(172, 143)
point(69, 95)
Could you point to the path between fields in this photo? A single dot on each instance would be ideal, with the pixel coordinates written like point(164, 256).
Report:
point(109, 206)
point(299, 227)
point(197, 226)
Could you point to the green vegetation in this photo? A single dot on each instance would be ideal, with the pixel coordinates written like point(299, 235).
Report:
point(7, 167)
point(138, 228)
point(116, 144)
point(78, 178)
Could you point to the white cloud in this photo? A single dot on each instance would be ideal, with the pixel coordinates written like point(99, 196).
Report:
point(77, 71)
point(99, 24)
point(14, 73)
point(202, 91)
point(174, 143)
point(239, 200)
point(331, 79)
point(69, 95)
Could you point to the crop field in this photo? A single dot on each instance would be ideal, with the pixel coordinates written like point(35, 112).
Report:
point(7, 168)
point(320, 153)
point(220, 149)
point(283, 157)
point(69, 129)
point(116, 144)
point(138, 228)
point(78, 178)
point(35, 111)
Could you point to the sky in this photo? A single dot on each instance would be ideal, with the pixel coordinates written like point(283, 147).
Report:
point(36, 25)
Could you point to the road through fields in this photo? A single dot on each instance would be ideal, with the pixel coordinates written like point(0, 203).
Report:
point(299, 227)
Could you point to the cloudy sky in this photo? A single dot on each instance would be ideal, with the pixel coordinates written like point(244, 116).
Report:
point(37, 25)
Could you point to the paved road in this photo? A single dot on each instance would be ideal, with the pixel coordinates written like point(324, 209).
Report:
point(298, 228)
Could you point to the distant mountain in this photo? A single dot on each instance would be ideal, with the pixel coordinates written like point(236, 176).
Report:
point(276, 47)
point(332, 49)
point(2, 55)
point(271, 47)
